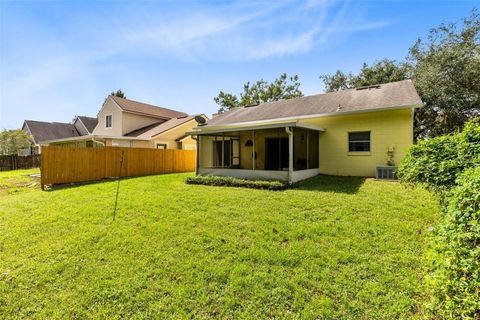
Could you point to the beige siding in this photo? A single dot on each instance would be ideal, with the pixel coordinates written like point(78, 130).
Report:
point(169, 137)
point(109, 108)
point(133, 122)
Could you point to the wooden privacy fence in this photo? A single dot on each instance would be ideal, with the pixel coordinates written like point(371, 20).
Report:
point(19, 162)
point(66, 165)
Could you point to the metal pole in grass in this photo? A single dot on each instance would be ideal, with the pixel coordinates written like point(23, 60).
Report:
point(118, 186)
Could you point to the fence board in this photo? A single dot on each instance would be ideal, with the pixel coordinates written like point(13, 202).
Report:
point(66, 165)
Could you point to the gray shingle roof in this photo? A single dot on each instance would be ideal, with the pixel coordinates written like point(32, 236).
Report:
point(44, 131)
point(147, 109)
point(389, 95)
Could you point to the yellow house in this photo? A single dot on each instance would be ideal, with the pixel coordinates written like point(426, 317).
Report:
point(128, 123)
point(347, 133)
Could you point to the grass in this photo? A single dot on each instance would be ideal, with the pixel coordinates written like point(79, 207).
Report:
point(330, 248)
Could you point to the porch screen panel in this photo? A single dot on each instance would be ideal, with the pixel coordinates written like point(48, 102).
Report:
point(313, 149)
point(222, 153)
point(300, 150)
point(205, 151)
point(235, 152)
point(305, 149)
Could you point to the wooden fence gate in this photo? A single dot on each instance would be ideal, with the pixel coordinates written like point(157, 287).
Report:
point(66, 165)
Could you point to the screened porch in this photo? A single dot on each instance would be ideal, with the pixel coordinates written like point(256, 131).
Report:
point(283, 152)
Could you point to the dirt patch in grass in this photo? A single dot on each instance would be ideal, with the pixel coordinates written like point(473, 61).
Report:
point(18, 180)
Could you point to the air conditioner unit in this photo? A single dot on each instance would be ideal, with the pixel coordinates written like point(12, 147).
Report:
point(386, 172)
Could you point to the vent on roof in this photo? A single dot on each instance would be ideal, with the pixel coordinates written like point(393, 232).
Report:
point(251, 105)
point(377, 86)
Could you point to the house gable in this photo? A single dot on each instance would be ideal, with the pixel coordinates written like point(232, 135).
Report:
point(109, 108)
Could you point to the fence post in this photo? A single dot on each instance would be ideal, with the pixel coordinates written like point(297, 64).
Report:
point(42, 170)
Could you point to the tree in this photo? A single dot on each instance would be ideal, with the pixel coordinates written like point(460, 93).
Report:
point(447, 76)
point(445, 69)
point(283, 87)
point(382, 71)
point(11, 141)
point(119, 93)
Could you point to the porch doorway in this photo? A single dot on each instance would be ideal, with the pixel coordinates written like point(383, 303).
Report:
point(276, 153)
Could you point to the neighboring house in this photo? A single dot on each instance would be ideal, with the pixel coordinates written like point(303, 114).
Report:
point(41, 131)
point(344, 133)
point(128, 123)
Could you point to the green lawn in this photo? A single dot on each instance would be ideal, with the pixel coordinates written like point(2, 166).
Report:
point(330, 248)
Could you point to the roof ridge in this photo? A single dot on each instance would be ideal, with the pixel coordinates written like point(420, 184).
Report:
point(144, 103)
point(329, 92)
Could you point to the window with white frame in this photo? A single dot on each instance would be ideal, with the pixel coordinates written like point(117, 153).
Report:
point(108, 121)
point(359, 141)
point(161, 146)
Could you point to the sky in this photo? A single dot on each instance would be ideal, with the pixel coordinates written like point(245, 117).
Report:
point(59, 59)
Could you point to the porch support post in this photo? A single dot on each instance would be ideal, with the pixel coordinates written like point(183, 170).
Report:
point(289, 131)
point(223, 150)
point(197, 158)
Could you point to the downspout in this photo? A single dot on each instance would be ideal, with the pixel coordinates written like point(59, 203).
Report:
point(289, 132)
point(96, 141)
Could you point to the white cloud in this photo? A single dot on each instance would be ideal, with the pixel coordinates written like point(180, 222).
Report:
point(240, 32)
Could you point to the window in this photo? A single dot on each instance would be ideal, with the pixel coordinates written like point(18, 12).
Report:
point(359, 141)
point(161, 146)
point(108, 121)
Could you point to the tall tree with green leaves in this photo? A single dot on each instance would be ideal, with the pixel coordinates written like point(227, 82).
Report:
point(446, 73)
point(381, 71)
point(12, 141)
point(119, 93)
point(284, 87)
point(445, 69)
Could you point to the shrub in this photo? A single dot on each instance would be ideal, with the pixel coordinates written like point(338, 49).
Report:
point(235, 182)
point(437, 162)
point(450, 165)
point(455, 265)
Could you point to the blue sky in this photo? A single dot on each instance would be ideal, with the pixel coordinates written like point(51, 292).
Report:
point(59, 59)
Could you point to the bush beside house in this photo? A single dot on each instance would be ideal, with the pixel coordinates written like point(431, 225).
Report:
point(235, 182)
point(450, 166)
point(437, 162)
point(455, 267)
